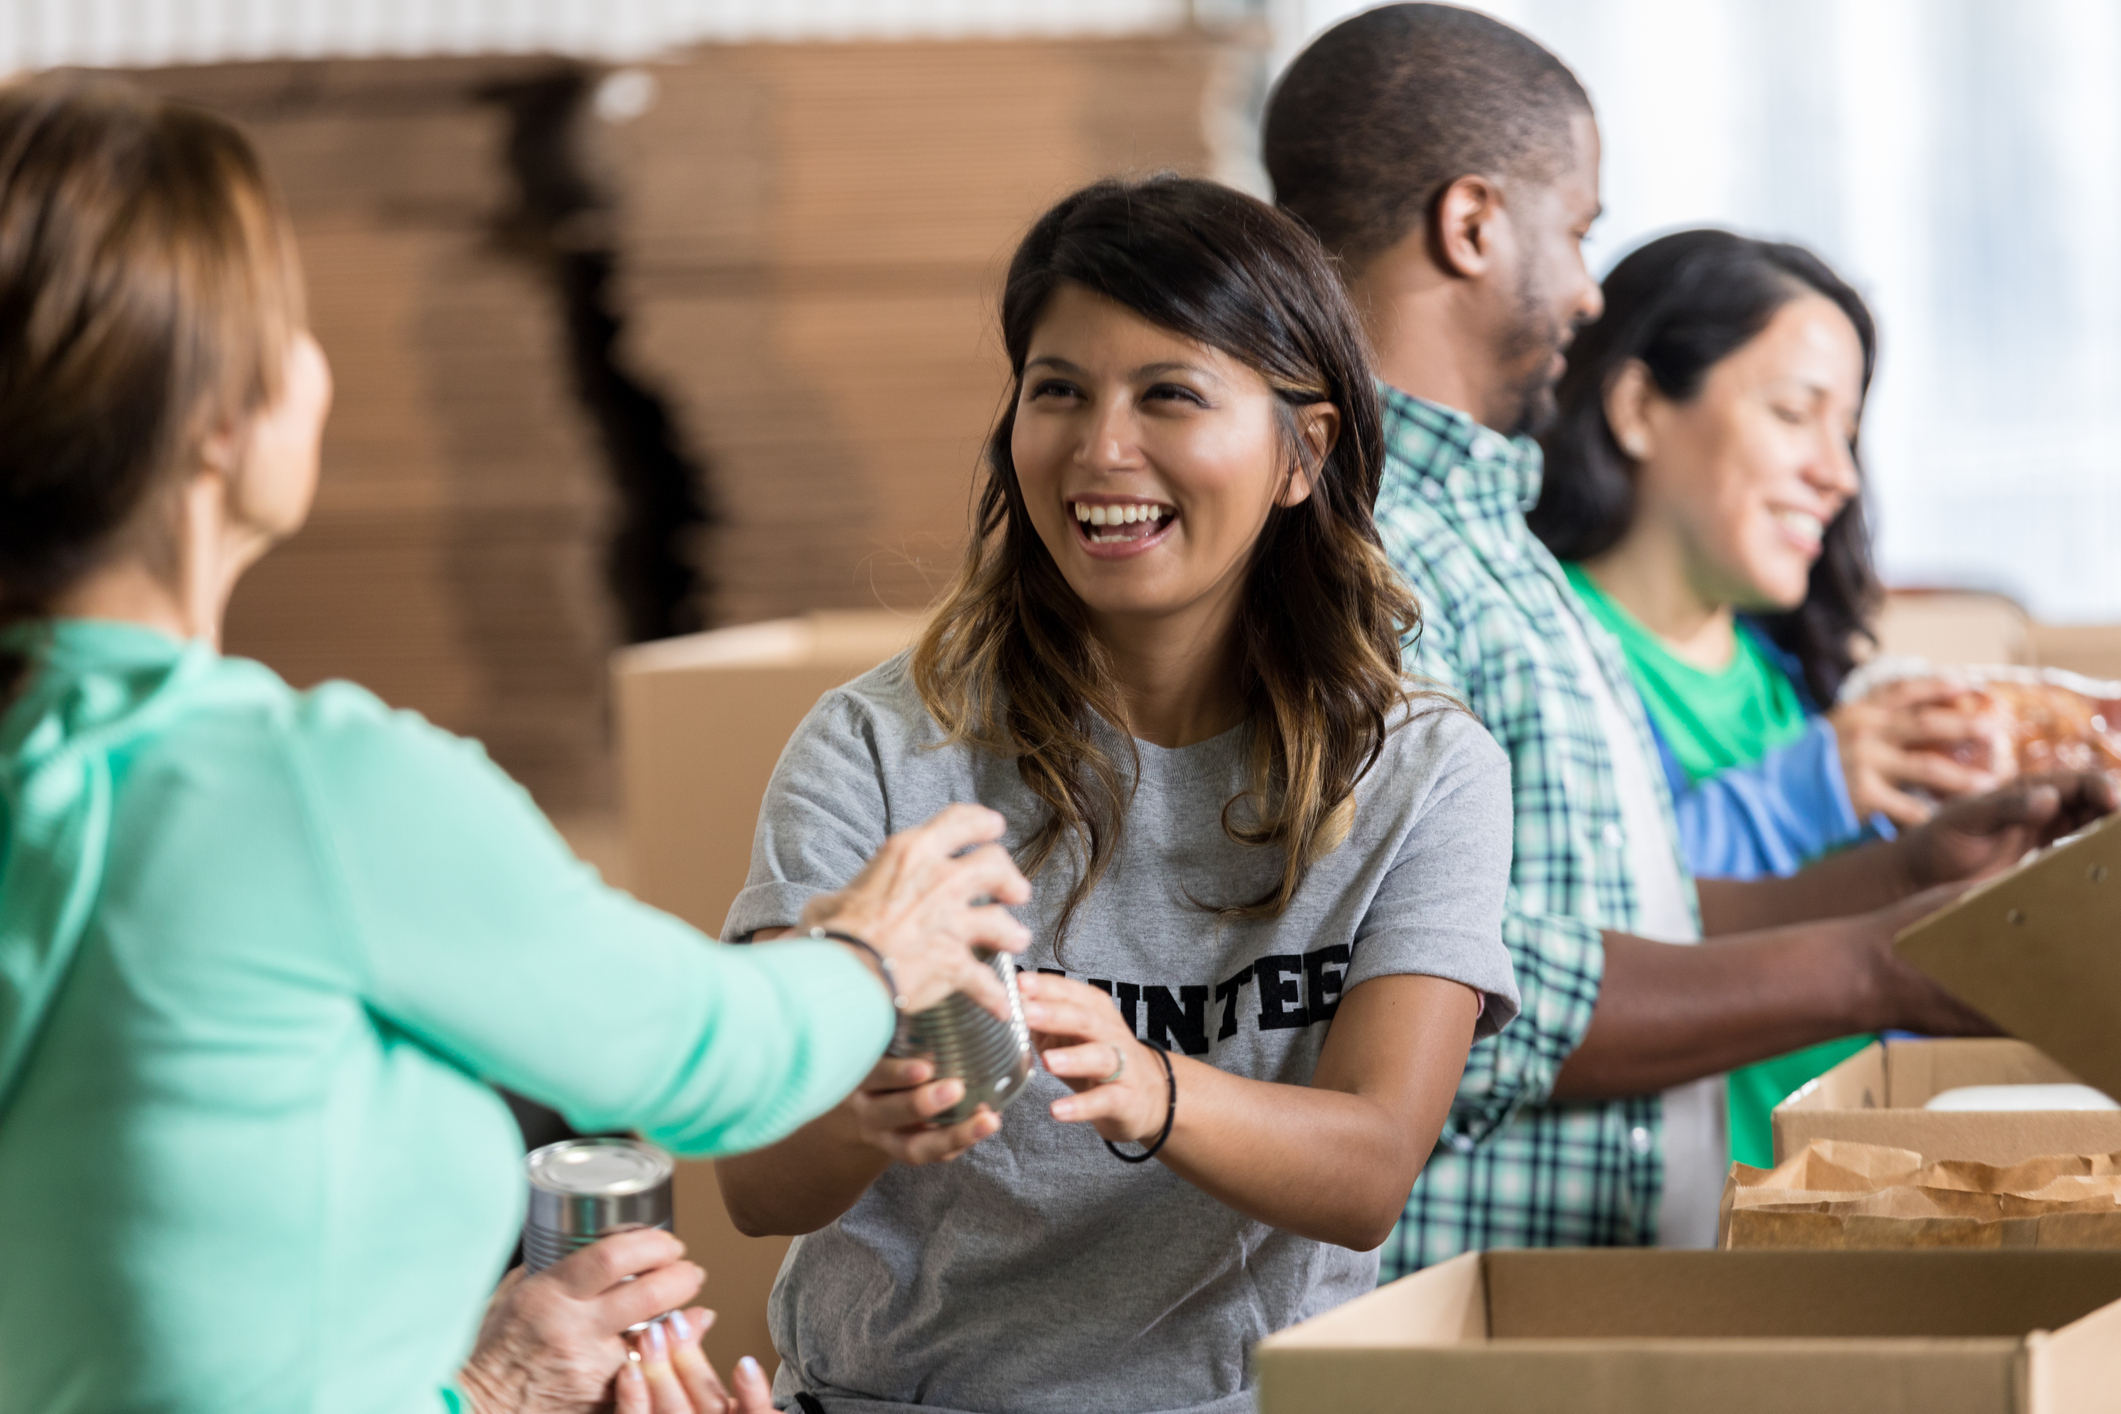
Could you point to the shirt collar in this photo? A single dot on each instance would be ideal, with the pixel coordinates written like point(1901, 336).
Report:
point(1428, 442)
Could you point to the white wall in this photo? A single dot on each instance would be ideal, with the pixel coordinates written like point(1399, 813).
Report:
point(1960, 162)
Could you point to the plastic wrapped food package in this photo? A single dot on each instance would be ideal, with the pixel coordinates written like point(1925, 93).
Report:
point(2036, 719)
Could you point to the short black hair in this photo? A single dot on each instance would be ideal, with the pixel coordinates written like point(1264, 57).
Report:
point(1385, 110)
point(1680, 305)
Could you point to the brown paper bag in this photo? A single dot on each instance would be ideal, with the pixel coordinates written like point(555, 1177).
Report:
point(1840, 1195)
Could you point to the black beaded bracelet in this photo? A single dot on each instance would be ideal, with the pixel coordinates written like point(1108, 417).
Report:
point(1170, 1113)
point(883, 964)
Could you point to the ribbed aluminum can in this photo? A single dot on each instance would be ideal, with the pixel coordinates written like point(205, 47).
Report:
point(584, 1189)
point(972, 1044)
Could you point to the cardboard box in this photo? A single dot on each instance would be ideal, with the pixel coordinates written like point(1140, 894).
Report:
point(1646, 1332)
point(1876, 1097)
point(2091, 649)
point(2033, 950)
point(1954, 627)
point(701, 722)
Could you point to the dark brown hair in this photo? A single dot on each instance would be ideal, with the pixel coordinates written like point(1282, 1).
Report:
point(149, 292)
point(1680, 305)
point(1009, 664)
point(1385, 110)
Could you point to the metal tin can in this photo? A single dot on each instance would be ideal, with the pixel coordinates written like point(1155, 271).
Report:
point(584, 1189)
point(970, 1043)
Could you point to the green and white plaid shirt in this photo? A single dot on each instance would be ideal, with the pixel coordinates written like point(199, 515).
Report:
point(1514, 1168)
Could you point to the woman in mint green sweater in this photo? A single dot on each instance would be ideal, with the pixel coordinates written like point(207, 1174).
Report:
point(262, 950)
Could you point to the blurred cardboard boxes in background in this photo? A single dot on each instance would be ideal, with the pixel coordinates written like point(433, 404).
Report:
point(809, 240)
point(701, 722)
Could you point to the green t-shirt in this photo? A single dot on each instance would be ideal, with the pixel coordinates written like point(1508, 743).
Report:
point(1714, 721)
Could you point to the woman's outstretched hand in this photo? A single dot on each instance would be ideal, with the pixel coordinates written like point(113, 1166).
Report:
point(930, 896)
point(1895, 742)
point(1118, 1082)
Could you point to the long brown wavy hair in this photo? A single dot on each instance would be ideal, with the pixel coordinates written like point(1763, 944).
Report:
point(1009, 664)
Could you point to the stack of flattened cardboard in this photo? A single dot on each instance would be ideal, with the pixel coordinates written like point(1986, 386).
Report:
point(452, 564)
point(815, 236)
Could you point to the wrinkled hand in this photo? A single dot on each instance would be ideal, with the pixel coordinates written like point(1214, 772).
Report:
point(670, 1374)
point(930, 896)
point(1903, 998)
point(895, 1107)
point(1082, 1038)
point(1969, 839)
point(553, 1342)
point(1893, 741)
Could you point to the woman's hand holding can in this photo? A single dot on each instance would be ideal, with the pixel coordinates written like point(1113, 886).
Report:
point(930, 897)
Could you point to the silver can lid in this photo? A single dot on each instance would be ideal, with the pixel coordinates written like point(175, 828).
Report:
point(599, 1168)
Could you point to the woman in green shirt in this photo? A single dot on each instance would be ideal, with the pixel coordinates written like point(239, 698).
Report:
point(261, 950)
point(1703, 492)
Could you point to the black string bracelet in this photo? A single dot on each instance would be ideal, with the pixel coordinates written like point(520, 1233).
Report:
point(883, 964)
point(1170, 1113)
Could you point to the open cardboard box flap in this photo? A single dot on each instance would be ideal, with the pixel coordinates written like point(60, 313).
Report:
point(1877, 1096)
point(2038, 951)
point(1651, 1332)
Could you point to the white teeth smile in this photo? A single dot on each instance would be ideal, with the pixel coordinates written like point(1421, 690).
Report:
point(1808, 528)
point(1148, 515)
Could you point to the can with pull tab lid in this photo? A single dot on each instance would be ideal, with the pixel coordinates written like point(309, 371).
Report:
point(584, 1189)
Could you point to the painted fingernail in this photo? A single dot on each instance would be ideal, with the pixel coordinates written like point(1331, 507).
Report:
point(749, 1369)
point(679, 1325)
point(658, 1345)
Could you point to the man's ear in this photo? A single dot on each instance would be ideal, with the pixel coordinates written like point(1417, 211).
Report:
point(1462, 230)
point(1629, 400)
point(1318, 427)
point(221, 451)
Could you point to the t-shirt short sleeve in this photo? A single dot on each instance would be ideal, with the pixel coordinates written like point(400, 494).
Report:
point(824, 816)
point(1438, 911)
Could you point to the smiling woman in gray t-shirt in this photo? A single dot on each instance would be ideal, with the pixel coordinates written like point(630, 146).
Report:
point(1267, 874)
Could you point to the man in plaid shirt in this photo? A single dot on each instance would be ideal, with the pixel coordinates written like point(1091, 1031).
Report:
point(1451, 165)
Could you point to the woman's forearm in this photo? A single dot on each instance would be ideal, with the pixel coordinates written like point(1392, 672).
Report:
point(1332, 1167)
point(1335, 1160)
point(803, 1182)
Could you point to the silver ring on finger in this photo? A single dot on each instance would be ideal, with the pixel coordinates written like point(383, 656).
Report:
point(1117, 1070)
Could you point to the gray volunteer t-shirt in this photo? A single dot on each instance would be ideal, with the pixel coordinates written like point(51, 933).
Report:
point(1037, 1274)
